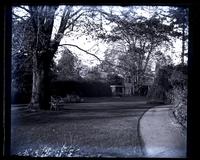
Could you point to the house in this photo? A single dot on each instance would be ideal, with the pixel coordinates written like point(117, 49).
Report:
point(126, 88)
point(123, 89)
point(117, 90)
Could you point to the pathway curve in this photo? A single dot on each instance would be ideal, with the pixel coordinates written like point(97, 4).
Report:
point(162, 135)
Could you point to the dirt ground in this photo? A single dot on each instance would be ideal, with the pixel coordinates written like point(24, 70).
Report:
point(100, 126)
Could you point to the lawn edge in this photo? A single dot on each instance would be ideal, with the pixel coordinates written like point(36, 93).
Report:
point(141, 140)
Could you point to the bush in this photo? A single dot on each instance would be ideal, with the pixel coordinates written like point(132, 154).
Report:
point(161, 86)
point(180, 105)
point(170, 87)
point(178, 80)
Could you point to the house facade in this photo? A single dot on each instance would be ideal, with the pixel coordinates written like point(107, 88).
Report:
point(128, 89)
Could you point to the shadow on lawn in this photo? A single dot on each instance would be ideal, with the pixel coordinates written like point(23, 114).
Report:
point(41, 117)
point(79, 111)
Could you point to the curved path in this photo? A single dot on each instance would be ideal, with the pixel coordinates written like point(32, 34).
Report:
point(162, 135)
point(108, 129)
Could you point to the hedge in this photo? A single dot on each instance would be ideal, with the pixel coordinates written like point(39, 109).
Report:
point(81, 88)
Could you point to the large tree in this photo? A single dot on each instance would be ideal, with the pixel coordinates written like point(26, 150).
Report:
point(142, 37)
point(45, 44)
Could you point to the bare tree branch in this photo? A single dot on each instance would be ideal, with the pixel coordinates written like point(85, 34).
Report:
point(81, 50)
point(109, 63)
point(20, 17)
point(24, 9)
point(73, 22)
point(76, 12)
point(64, 20)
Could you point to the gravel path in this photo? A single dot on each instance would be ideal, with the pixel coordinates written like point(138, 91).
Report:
point(162, 135)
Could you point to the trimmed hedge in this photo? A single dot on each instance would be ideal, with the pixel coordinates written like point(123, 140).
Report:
point(81, 88)
point(61, 88)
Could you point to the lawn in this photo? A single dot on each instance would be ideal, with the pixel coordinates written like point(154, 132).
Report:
point(98, 127)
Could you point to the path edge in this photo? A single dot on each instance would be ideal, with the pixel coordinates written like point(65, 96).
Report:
point(141, 140)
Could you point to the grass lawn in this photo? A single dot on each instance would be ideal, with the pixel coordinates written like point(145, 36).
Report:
point(101, 126)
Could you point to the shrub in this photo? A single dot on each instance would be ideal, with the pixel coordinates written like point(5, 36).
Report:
point(161, 86)
point(180, 105)
point(178, 80)
point(170, 87)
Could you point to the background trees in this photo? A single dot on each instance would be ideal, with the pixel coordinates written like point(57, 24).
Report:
point(135, 43)
point(68, 67)
point(179, 19)
point(141, 37)
point(21, 73)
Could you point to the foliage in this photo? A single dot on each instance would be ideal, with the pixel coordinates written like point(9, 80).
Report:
point(93, 74)
point(170, 87)
point(68, 66)
point(161, 84)
point(179, 17)
point(21, 78)
point(179, 81)
point(142, 38)
point(21, 64)
point(180, 23)
point(64, 151)
point(45, 43)
point(114, 79)
point(169, 78)
point(179, 76)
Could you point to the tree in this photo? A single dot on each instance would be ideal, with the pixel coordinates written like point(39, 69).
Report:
point(142, 37)
point(69, 66)
point(94, 74)
point(179, 19)
point(46, 37)
point(44, 46)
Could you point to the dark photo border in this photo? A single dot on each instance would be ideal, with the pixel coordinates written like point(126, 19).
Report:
point(193, 57)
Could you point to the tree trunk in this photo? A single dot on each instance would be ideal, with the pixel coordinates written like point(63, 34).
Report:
point(35, 84)
point(42, 21)
point(40, 88)
point(44, 98)
point(183, 45)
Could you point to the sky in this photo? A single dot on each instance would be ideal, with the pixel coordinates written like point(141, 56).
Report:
point(87, 43)
point(99, 47)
